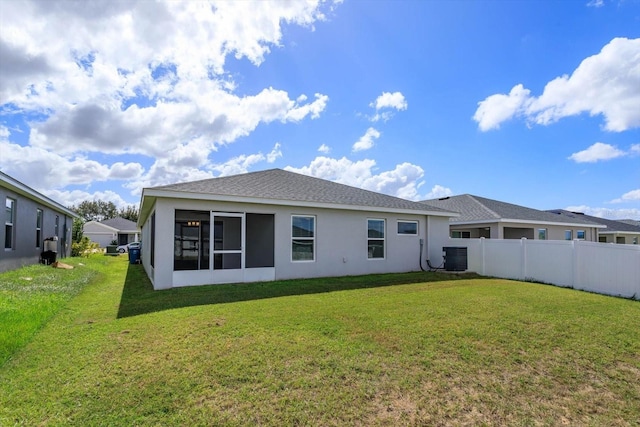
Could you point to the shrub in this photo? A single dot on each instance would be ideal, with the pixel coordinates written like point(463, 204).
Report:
point(84, 247)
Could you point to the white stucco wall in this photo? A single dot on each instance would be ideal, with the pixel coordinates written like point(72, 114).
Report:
point(98, 233)
point(341, 242)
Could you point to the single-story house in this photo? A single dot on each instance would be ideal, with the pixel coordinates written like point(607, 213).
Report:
point(615, 232)
point(121, 230)
point(30, 219)
point(275, 224)
point(493, 219)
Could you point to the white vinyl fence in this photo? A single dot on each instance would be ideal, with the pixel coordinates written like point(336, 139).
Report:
point(604, 268)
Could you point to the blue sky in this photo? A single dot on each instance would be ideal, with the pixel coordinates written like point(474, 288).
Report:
point(530, 102)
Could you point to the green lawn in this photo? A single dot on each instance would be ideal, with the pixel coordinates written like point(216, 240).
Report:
point(378, 350)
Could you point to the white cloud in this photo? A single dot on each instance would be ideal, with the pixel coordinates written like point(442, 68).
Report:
point(635, 149)
point(274, 154)
point(498, 108)
point(404, 180)
point(142, 78)
point(630, 196)
point(393, 100)
point(44, 170)
point(211, 114)
point(595, 3)
point(324, 148)
point(598, 151)
point(366, 141)
point(438, 191)
point(606, 84)
point(298, 112)
point(387, 102)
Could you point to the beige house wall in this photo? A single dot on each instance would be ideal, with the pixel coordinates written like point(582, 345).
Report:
point(516, 230)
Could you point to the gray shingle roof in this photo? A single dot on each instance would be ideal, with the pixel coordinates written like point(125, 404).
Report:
point(476, 209)
point(280, 185)
point(121, 224)
point(612, 225)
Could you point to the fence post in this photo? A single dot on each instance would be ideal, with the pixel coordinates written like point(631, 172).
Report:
point(482, 268)
point(523, 258)
point(574, 266)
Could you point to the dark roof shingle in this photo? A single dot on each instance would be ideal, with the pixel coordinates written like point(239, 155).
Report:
point(612, 225)
point(281, 185)
point(120, 223)
point(474, 209)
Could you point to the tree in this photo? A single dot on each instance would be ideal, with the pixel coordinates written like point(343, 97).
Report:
point(96, 210)
point(76, 230)
point(130, 213)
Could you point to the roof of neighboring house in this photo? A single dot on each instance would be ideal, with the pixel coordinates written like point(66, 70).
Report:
point(613, 226)
point(277, 186)
point(476, 209)
point(28, 192)
point(121, 224)
point(630, 221)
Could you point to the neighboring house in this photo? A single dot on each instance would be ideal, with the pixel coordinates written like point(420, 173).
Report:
point(29, 219)
point(492, 219)
point(104, 232)
point(616, 232)
point(275, 224)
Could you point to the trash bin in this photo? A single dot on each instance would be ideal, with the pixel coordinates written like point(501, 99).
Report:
point(48, 257)
point(50, 253)
point(134, 255)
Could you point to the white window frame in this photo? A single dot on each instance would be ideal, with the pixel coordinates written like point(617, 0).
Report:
point(383, 240)
point(545, 232)
point(406, 221)
point(310, 239)
point(9, 224)
point(463, 234)
point(39, 220)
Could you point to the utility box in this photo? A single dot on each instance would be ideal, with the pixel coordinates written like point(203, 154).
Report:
point(455, 258)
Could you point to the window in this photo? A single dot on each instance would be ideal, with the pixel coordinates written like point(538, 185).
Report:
point(375, 241)
point(38, 227)
point(191, 240)
point(620, 240)
point(303, 238)
point(635, 240)
point(10, 216)
point(542, 234)
point(152, 246)
point(460, 234)
point(580, 234)
point(408, 228)
point(568, 235)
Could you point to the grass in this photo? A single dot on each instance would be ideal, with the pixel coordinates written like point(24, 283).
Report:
point(445, 352)
point(30, 296)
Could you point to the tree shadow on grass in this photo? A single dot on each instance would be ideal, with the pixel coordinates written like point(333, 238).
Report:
point(138, 296)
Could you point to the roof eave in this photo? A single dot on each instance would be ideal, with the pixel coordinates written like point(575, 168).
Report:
point(155, 193)
point(22, 189)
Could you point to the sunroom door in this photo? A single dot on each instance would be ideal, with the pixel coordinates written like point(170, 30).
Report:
point(228, 247)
